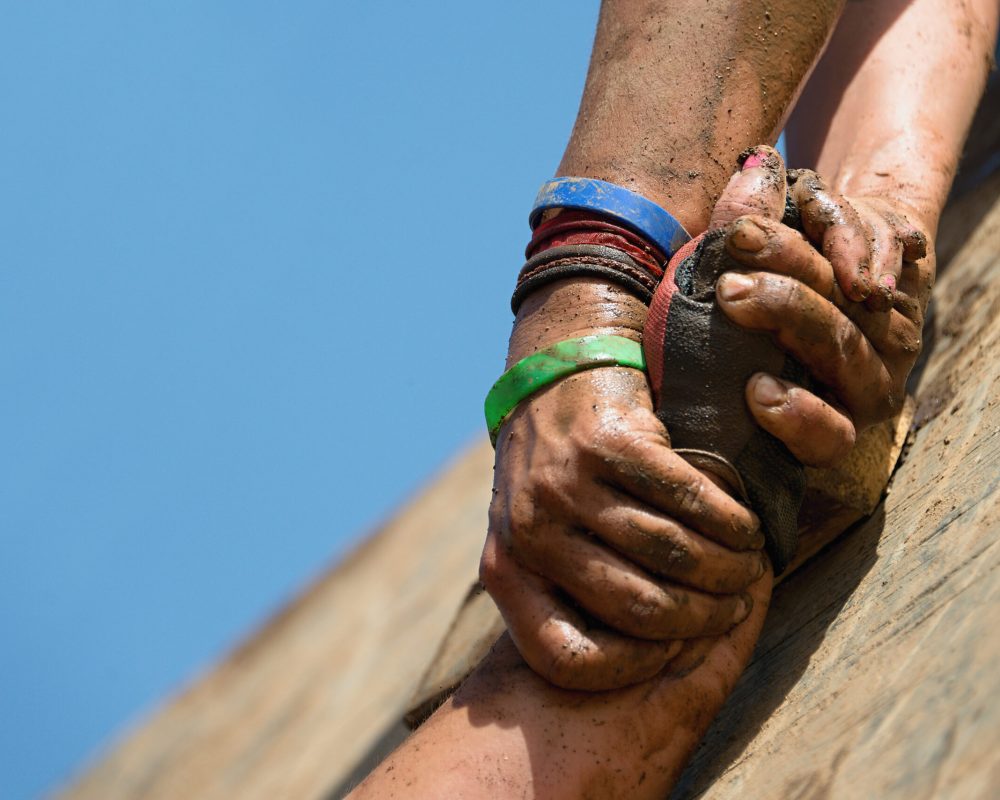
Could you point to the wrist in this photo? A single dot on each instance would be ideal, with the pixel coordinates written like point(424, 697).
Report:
point(572, 308)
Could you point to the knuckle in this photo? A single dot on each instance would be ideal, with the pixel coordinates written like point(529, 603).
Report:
point(569, 664)
point(839, 446)
point(790, 293)
point(886, 406)
point(689, 496)
point(843, 441)
point(520, 516)
point(848, 339)
point(491, 574)
point(677, 557)
point(649, 605)
point(908, 342)
point(549, 486)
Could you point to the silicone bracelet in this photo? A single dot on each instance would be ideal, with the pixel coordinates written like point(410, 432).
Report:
point(546, 366)
point(617, 202)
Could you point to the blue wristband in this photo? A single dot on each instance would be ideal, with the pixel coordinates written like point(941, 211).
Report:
point(642, 215)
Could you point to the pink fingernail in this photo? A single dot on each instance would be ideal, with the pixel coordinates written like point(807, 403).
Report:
point(889, 282)
point(733, 286)
point(755, 159)
point(768, 392)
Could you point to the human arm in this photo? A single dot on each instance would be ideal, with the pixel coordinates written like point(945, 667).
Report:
point(889, 107)
point(509, 733)
point(675, 92)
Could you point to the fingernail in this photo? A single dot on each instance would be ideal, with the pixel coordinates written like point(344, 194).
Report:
point(674, 649)
point(763, 565)
point(744, 608)
point(748, 235)
point(768, 392)
point(885, 295)
point(733, 286)
point(754, 158)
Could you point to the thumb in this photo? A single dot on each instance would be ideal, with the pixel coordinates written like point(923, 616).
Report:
point(758, 188)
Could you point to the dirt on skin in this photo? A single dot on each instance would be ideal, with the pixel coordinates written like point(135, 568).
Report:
point(677, 141)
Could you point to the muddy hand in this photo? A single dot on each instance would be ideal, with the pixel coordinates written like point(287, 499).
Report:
point(866, 240)
point(861, 352)
point(818, 432)
point(604, 546)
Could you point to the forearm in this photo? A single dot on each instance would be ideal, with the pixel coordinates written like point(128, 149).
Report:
point(677, 90)
point(509, 733)
point(895, 127)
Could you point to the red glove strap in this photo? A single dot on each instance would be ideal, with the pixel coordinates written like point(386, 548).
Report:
point(655, 330)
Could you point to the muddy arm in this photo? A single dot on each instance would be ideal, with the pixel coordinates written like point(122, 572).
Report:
point(890, 104)
point(675, 92)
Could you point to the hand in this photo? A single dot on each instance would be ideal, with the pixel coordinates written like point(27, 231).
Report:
point(644, 733)
point(604, 546)
point(861, 352)
point(592, 506)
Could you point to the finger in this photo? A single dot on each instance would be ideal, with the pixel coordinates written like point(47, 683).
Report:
point(833, 225)
point(655, 474)
point(624, 596)
point(759, 244)
point(758, 188)
point(914, 241)
point(911, 238)
point(711, 667)
point(665, 547)
point(814, 431)
point(914, 288)
point(886, 251)
point(894, 336)
point(555, 641)
point(819, 335)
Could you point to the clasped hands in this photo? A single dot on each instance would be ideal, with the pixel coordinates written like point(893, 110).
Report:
point(610, 557)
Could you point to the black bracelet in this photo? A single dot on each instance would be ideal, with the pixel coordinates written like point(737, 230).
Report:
point(583, 260)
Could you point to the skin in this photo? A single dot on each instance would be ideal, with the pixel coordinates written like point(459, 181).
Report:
point(584, 472)
point(906, 77)
point(676, 91)
point(509, 731)
point(847, 299)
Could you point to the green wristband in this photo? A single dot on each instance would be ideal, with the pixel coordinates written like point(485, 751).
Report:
point(546, 366)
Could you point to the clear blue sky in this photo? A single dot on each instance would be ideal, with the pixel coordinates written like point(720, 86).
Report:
point(256, 265)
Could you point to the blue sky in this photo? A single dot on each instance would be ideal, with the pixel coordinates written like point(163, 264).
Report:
point(256, 265)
